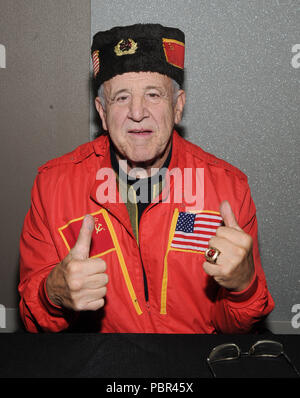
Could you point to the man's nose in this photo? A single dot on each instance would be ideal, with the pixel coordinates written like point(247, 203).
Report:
point(137, 109)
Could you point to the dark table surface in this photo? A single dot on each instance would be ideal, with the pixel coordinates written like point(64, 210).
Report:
point(25, 355)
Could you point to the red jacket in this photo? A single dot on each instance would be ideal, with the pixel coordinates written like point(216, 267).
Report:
point(182, 297)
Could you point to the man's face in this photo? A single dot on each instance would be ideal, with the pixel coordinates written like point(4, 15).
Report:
point(139, 115)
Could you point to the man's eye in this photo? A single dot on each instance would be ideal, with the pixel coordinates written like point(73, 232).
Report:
point(153, 96)
point(122, 98)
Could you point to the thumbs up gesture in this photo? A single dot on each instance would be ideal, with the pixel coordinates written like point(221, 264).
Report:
point(79, 282)
point(234, 267)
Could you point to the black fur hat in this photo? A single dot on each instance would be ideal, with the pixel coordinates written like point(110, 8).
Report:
point(138, 48)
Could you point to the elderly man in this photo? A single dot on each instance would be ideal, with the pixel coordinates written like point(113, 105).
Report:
point(140, 260)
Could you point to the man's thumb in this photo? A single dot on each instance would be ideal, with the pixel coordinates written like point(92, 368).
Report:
point(228, 215)
point(81, 249)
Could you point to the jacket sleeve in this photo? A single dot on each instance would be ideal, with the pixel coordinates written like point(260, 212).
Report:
point(237, 312)
point(38, 256)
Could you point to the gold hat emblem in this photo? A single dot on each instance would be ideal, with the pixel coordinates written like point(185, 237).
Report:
point(125, 47)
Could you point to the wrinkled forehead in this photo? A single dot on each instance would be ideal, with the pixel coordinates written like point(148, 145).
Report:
point(138, 80)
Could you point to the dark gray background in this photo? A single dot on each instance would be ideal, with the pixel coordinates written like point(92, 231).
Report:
point(243, 106)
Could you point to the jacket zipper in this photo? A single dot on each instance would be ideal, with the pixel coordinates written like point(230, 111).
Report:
point(146, 292)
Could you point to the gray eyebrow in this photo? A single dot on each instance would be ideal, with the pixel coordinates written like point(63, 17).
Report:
point(156, 87)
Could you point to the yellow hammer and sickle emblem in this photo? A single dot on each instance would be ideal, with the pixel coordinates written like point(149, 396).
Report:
point(99, 228)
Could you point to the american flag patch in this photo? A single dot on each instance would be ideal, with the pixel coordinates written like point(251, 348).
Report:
point(193, 231)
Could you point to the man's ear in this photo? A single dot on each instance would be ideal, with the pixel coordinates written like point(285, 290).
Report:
point(101, 112)
point(179, 106)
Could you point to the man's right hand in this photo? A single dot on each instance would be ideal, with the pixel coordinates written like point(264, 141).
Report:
point(79, 282)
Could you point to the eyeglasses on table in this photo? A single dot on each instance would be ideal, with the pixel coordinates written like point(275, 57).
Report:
point(260, 349)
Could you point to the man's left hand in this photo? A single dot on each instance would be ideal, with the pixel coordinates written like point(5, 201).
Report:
point(234, 267)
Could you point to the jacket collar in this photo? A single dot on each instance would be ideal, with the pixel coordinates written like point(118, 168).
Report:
point(117, 207)
point(104, 174)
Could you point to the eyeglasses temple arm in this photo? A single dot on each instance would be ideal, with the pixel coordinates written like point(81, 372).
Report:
point(291, 363)
point(211, 368)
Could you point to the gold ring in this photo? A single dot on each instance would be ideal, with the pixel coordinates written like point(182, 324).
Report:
point(212, 254)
